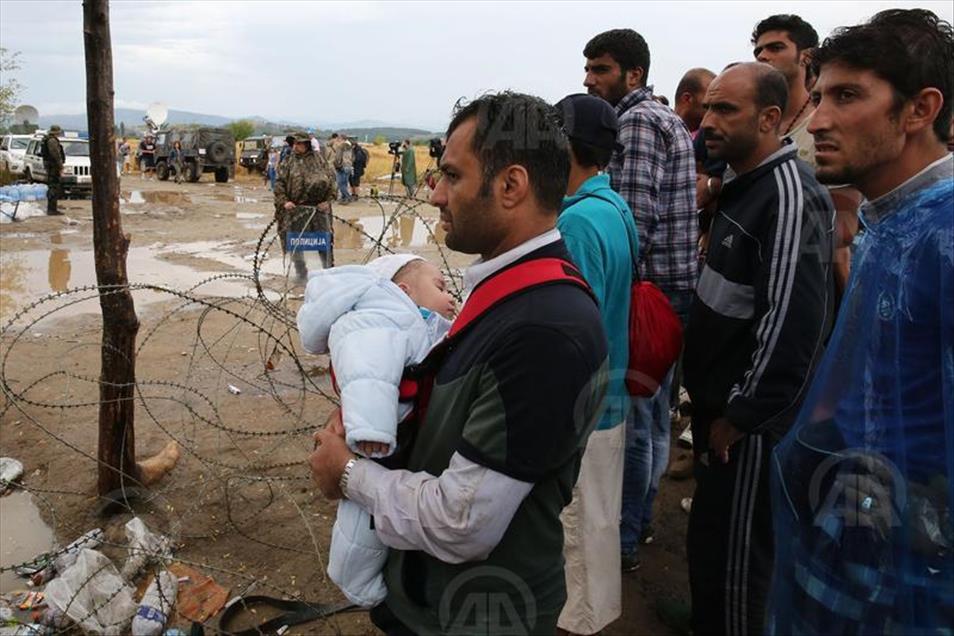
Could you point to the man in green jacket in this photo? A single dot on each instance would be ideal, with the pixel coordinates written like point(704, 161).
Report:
point(408, 168)
point(53, 160)
point(304, 186)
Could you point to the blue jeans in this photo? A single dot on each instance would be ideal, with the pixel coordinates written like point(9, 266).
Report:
point(342, 175)
point(647, 449)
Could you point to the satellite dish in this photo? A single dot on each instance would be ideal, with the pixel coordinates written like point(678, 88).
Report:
point(26, 115)
point(157, 112)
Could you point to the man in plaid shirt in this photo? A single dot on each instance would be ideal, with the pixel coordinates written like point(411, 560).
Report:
point(655, 172)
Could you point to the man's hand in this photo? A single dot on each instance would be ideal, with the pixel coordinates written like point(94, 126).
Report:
point(330, 456)
point(289, 205)
point(722, 435)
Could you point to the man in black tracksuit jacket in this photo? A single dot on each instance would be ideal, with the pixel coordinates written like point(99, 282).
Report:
point(758, 322)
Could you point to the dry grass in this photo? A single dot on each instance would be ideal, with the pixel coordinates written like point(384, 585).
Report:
point(380, 162)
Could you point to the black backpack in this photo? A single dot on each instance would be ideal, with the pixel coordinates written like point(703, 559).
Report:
point(360, 156)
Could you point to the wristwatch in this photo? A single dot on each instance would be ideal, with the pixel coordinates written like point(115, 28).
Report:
point(345, 475)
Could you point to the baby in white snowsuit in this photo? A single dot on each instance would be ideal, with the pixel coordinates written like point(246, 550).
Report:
point(375, 319)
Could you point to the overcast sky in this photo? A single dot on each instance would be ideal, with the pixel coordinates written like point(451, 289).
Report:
point(400, 62)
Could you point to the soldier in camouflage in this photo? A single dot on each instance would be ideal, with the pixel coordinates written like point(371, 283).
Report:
point(304, 189)
point(53, 160)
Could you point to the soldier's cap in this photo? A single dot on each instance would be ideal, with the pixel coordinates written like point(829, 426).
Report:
point(301, 137)
point(589, 119)
point(54, 129)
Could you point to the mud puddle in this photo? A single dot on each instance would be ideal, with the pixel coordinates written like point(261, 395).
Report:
point(238, 196)
point(164, 197)
point(23, 535)
point(26, 276)
point(405, 231)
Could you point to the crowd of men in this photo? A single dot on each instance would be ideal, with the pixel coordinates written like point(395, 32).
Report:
point(797, 211)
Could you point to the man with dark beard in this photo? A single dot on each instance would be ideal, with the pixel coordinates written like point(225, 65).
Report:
point(474, 521)
point(758, 321)
point(865, 476)
point(655, 173)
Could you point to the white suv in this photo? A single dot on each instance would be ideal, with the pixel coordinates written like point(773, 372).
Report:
point(75, 177)
point(12, 150)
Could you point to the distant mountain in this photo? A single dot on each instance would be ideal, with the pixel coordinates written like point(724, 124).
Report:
point(389, 132)
point(132, 119)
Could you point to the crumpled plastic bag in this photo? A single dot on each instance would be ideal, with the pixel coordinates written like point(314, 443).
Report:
point(92, 594)
point(145, 547)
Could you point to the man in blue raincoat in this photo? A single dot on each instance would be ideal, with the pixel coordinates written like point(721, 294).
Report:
point(863, 482)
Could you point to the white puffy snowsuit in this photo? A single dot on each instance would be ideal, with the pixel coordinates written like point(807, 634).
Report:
point(373, 331)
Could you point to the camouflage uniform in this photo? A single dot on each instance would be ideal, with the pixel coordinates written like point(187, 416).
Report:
point(53, 160)
point(307, 181)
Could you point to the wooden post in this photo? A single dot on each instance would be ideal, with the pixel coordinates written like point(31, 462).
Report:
point(117, 442)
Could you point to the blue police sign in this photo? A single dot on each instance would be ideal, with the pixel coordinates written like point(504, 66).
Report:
point(308, 241)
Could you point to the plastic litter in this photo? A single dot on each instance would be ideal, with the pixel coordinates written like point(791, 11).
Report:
point(23, 629)
point(234, 390)
point(54, 618)
point(200, 597)
point(92, 594)
point(156, 605)
point(10, 471)
point(145, 547)
point(92, 540)
point(44, 567)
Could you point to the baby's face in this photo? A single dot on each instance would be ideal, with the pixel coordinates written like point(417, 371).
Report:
point(425, 285)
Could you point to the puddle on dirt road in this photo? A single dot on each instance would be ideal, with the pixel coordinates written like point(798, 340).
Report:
point(248, 216)
point(405, 231)
point(165, 197)
point(23, 535)
point(28, 275)
point(237, 197)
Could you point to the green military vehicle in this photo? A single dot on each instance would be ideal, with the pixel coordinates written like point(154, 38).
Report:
point(203, 150)
point(254, 155)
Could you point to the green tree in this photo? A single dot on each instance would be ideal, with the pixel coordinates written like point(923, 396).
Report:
point(9, 87)
point(241, 129)
point(380, 140)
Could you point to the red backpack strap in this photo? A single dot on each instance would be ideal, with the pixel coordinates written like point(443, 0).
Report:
point(513, 280)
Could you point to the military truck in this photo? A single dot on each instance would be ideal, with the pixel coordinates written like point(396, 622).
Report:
point(254, 155)
point(203, 150)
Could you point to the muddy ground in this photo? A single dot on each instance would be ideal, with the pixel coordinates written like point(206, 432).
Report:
point(239, 504)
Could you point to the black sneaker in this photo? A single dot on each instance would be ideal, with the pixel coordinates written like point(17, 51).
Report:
point(629, 561)
point(647, 536)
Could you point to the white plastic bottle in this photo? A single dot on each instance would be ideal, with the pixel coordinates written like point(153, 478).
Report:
point(155, 608)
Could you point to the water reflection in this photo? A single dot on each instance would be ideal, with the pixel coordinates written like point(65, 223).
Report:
point(59, 267)
point(138, 197)
point(404, 231)
point(28, 275)
point(23, 535)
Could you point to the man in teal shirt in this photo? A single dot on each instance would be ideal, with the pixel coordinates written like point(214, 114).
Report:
point(600, 234)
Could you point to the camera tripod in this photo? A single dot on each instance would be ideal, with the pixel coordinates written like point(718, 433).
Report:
point(395, 166)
